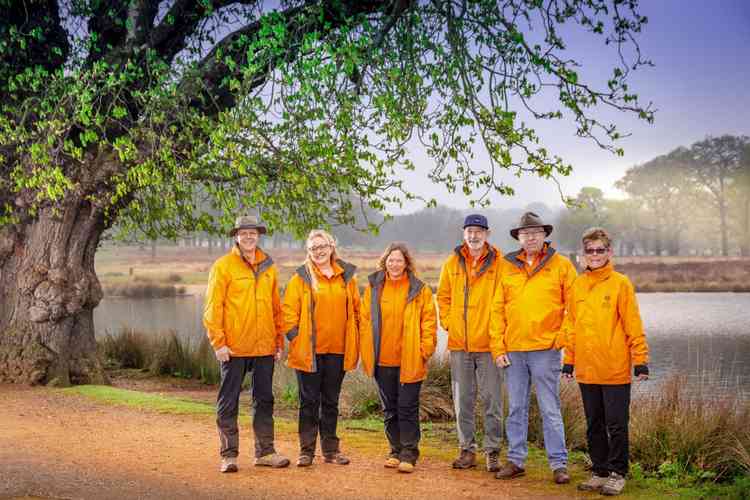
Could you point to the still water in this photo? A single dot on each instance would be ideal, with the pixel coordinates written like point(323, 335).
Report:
point(706, 336)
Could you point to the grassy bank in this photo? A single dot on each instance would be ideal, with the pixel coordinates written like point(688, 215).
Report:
point(365, 435)
point(679, 436)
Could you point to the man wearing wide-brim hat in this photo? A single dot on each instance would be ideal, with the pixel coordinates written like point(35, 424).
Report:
point(242, 316)
point(526, 321)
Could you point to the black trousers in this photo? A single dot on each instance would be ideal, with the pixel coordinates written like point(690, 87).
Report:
point(401, 413)
point(319, 404)
point(227, 404)
point(607, 409)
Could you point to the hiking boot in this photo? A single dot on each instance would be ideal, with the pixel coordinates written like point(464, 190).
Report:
point(510, 471)
point(336, 458)
point(272, 460)
point(561, 476)
point(465, 460)
point(594, 483)
point(614, 485)
point(304, 461)
point(492, 461)
point(406, 467)
point(228, 464)
point(392, 462)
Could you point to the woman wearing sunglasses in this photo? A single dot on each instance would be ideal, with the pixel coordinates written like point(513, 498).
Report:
point(604, 342)
point(398, 336)
point(321, 318)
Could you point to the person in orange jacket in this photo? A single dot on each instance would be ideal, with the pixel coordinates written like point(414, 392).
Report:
point(527, 317)
point(397, 337)
point(467, 283)
point(604, 341)
point(321, 321)
point(242, 316)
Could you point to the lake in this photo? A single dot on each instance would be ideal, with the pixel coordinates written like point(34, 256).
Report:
point(706, 336)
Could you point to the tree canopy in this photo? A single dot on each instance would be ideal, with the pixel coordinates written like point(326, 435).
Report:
point(160, 114)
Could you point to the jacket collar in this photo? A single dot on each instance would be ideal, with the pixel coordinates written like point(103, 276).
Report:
point(377, 281)
point(601, 274)
point(349, 270)
point(262, 260)
point(486, 263)
point(550, 251)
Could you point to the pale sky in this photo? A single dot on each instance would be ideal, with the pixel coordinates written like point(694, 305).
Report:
point(699, 86)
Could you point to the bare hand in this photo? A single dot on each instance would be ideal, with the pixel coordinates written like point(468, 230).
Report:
point(567, 375)
point(278, 354)
point(642, 377)
point(502, 361)
point(223, 354)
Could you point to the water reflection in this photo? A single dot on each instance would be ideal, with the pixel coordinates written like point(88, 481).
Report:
point(704, 335)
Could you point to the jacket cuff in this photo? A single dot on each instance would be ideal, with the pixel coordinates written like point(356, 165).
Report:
point(640, 370)
point(567, 369)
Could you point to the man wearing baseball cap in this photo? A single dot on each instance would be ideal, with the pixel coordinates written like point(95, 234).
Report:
point(467, 285)
point(242, 316)
point(527, 316)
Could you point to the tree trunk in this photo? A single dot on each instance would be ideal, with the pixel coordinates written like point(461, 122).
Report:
point(745, 247)
point(48, 293)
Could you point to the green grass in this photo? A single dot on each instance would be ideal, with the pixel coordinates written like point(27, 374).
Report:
point(141, 400)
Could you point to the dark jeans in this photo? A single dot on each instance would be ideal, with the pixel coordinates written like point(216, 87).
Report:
point(319, 404)
point(607, 409)
point(401, 413)
point(227, 405)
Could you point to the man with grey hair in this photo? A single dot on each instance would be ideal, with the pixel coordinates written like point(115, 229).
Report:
point(242, 316)
point(467, 284)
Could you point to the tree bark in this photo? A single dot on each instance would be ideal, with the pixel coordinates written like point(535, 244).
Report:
point(48, 293)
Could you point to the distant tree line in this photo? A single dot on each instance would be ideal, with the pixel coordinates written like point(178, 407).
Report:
point(692, 201)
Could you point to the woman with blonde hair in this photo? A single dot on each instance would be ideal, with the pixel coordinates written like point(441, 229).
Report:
point(321, 319)
point(398, 334)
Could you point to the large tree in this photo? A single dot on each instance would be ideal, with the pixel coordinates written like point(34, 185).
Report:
point(667, 198)
point(715, 164)
point(142, 112)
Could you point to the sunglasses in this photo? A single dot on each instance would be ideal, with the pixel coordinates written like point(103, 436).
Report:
point(597, 251)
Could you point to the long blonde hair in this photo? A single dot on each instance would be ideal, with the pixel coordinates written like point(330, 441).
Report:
point(328, 237)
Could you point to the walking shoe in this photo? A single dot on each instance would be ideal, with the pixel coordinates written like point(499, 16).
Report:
point(510, 471)
point(304, 461)
point(392, 462)
point(491, 461)
point(406, 467)
point(272, 460)
point(594, 483)
point(336, 458)
point(561, 476)
point(228, 464)
point(465, 460)
point(614, 485)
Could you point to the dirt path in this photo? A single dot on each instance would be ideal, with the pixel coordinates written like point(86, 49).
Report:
point(55, 445)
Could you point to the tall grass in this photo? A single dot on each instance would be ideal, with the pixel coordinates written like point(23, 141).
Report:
point(164, 353)
point(675, 430)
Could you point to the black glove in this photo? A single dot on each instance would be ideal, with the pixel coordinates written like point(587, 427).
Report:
point(640, 370)
point(567, 369)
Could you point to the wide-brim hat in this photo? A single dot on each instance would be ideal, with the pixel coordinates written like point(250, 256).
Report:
point(529, 220)
point(247, 222)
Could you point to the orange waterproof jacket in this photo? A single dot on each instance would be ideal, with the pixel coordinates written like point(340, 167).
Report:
point(604, 335)
point(419, 334)
point(299, 323)
point(242, 309)
point(465, 307)
point(529, 306)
